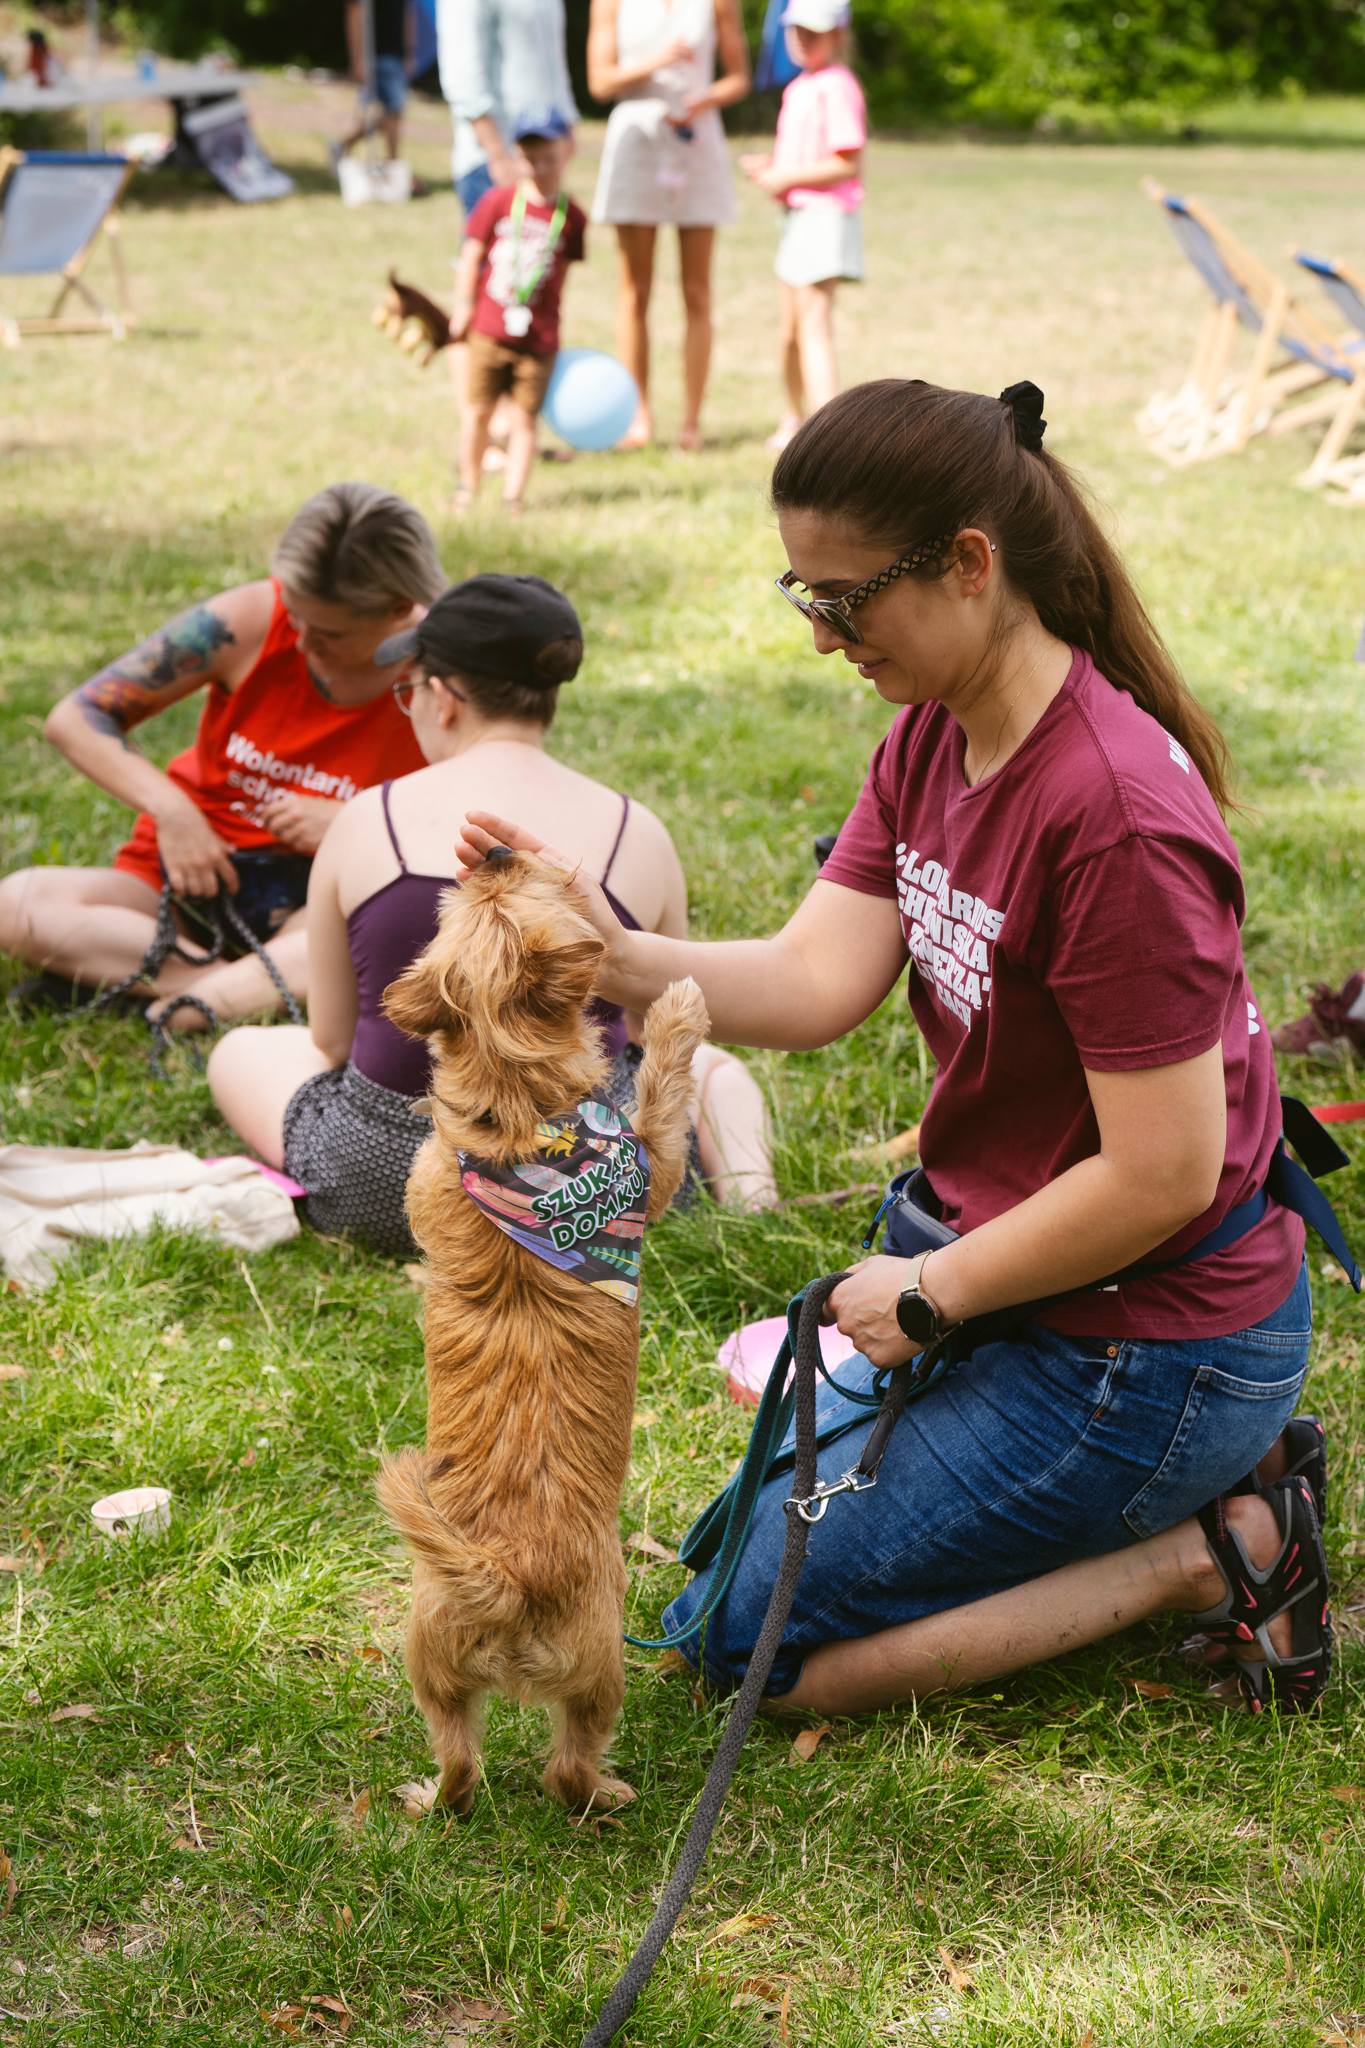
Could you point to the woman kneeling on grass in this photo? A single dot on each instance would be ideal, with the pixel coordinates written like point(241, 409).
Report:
point(334, 1103)
point(1040, 836)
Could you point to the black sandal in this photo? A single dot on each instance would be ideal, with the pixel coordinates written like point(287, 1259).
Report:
point(1305, 1445)
point(1295, 1582)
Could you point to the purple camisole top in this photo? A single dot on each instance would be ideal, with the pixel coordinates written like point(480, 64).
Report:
point(386, 933)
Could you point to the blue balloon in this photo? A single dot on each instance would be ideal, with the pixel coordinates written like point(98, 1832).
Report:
point(591, 400)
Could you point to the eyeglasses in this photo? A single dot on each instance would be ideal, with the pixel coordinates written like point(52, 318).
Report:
point(834, 611)
point(405, 686)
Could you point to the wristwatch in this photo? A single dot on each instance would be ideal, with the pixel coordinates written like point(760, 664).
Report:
point(919, 1320)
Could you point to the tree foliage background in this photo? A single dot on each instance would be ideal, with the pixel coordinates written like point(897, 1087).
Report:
point(1006, 63)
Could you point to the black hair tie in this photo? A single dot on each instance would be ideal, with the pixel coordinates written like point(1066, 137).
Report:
point(1025, 402)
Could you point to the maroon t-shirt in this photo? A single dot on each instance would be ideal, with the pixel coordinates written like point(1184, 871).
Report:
point(511, 260)
point(1078, 908)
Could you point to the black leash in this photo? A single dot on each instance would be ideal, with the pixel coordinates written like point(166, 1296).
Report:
point(805, 1507)
point(226, 921)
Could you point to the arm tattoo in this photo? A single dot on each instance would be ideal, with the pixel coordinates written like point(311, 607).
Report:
point(154, 674)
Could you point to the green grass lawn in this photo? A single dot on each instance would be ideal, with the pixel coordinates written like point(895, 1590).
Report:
point(1057, 1860)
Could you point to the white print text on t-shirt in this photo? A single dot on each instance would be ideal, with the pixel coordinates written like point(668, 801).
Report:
point(949, 933)
point(269, 773)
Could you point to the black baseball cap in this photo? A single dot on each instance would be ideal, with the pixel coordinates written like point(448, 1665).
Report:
point(511, 629)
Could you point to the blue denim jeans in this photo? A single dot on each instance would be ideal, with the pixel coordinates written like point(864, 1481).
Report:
point(470, 188)
point(1036, 1451)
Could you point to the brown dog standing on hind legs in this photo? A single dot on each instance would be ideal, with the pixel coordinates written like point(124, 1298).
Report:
point(530, 1200)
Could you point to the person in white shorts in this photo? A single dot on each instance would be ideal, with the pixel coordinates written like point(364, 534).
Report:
point(665, 164)
point(814, 174)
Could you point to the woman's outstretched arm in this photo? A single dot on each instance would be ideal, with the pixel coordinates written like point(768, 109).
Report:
point(837, 957)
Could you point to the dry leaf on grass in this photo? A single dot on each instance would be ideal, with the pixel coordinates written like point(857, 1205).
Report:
point(740, 1924)
point(9, 1884)
point(650, 1546)
point(1151, 1688)
point(808, 1741)
point(957, 1976)
point(418, 1796)
point(321, 2009)
point(81, 1712)
point(1087, 2039)
point(1349, 1795)
point(671, 1661)
point(371, 1652)
point(13, 1564)
point(360, 1806)
point(13, 1372)
point(1345, 2033)
point(468, 2019)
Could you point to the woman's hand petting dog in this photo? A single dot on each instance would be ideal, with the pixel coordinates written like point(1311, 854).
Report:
point(484, 830)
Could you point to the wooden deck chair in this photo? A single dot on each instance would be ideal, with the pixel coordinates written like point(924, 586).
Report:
point(54, 206)
point(1218, 408)
point(1331, 465)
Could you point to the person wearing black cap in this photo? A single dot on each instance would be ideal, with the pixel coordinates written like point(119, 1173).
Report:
point(332, 1104)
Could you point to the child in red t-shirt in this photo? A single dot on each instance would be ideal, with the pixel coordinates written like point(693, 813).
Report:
point(509, 277)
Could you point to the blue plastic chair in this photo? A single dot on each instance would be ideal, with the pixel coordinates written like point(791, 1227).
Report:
point(54, 206)
point(1217, 409)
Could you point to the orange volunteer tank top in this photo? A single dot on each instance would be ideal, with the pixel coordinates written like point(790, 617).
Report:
point(276, 731)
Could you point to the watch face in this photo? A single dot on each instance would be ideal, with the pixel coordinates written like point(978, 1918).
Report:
point(916, 1317)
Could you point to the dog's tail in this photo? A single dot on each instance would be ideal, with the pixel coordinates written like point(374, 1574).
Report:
point(485, 1597)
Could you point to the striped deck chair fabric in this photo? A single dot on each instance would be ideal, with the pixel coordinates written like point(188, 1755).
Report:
point(1219, 407)
point(55, 205)
point(1331, 466)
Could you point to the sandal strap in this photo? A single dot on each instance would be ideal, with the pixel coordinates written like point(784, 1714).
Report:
point(1256, 1594)
point(1295, 1582)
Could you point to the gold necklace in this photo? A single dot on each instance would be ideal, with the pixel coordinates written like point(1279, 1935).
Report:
point(1000, 736)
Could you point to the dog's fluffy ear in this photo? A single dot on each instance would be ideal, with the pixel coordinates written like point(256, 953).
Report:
point(431, 994)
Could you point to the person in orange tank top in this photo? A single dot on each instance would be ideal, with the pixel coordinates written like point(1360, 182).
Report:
point(297, 719)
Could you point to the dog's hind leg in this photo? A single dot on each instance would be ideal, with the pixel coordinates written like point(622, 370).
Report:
point(451, 1706)
point(584, 1715)
point(675, 1025)
point(454, 1722)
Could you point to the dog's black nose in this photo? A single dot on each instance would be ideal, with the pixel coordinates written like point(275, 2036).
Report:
point(497, 854)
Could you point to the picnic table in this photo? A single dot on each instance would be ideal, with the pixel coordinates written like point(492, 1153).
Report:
point(212, 128)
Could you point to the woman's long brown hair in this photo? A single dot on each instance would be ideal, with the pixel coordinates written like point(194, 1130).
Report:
point(901, 461)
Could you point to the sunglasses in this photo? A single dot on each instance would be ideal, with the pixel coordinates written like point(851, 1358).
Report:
point(834, 611)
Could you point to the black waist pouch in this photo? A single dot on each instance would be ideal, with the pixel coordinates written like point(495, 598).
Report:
point(271, 886)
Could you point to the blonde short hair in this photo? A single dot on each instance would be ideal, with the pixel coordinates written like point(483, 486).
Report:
point(358, 546)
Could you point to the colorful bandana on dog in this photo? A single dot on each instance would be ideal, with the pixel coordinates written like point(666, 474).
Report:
point(579, 1204)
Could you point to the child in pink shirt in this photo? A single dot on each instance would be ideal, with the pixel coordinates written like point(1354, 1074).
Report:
point(814, 175)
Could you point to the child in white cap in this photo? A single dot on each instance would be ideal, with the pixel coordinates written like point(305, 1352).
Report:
point(814, 175)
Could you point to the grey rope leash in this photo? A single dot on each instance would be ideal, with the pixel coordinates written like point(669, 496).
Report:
point(621, 2000)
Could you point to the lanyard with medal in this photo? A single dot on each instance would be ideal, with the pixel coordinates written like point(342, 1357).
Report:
point(516, 317)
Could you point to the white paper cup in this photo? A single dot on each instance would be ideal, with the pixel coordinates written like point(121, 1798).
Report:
point(140, 1510)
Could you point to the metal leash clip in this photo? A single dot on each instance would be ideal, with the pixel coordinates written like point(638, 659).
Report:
point(811, 1506)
